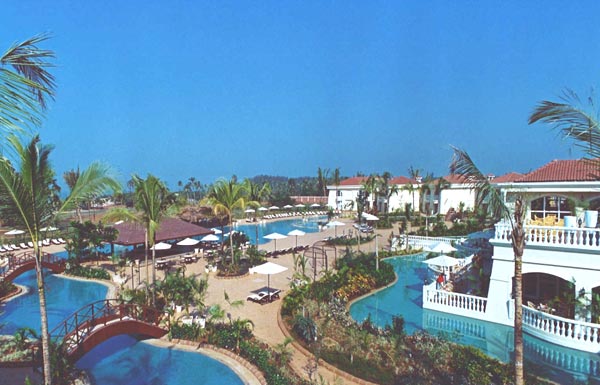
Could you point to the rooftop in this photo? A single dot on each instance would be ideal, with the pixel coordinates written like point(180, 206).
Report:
point(132, 233)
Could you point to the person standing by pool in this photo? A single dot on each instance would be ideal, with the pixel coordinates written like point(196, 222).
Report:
point(439, 282)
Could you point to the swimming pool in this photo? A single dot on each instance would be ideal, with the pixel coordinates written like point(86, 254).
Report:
point(308, 224)
point(405, 298)
point(123, 360)
point(64, 296)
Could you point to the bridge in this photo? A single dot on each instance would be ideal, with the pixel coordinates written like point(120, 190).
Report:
point(101, 320)
point(19, 264)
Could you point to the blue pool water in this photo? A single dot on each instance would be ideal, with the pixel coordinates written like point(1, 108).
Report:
point(405, 298)
point(308, 225)
point(123, 360)
point(63, 297)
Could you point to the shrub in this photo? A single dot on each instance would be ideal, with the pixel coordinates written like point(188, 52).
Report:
point(87, 272)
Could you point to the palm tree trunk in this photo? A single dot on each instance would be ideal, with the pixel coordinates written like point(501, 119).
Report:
point(43, 318)
point(154, 275)
point(146, 256)
point(518, 236)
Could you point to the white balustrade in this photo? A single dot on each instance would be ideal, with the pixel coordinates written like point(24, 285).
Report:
point(583, 238)
point(419, 241)
point(454, 303)
point(562, 331)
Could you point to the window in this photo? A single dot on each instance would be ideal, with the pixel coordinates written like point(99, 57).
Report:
point(550, 205)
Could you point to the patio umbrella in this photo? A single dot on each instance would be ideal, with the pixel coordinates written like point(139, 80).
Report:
point(50, 228)
point(315, 205)
point(297, 233)
point(188, 242)
point(300, 206)
point(335, 225)
point(442, 263)
point(268, 269)
point(249, 210)
point(215, 230)
point(14, 232)
point(210, 238)
point(441, 247)
point(288, 206)
point(274, 208)
point(369, 217)
point(275, 237)
point(161, 246)
point(263, 209)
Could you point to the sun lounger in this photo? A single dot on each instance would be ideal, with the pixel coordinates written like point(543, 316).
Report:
point(62, 240)
point(30, 244)
point(258, 298)
point(23, 246)
point(46, 242)
point(14, 247)
point(55, 241)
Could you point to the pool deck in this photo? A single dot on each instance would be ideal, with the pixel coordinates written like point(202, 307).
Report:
point(264, 317)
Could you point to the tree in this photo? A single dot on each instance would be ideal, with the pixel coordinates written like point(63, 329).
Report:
point(152, 198)
point(370, 189)
point(70, 177)
point(225, 197)
point(26, 190)
point(336, 182)
point(257, 192)
point(387, 190)
point(463, 165)
point(322, 175)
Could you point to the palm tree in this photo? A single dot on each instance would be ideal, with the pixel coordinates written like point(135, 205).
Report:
point(225, 197)
point(26, 188)
point(387, 190)
point(464, 166)
point(322, 175)
point(336, 182)
point(25, 88)
point(152, 198)
point(256, 192)
point(370, 187)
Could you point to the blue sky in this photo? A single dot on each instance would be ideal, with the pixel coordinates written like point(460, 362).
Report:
point(212, 89)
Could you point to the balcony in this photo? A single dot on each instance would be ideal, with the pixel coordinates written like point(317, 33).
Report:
point(552, 236)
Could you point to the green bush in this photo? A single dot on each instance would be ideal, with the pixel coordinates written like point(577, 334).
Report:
point(87, 272)
point(6, 288)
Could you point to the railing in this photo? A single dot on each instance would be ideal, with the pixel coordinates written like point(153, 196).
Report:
point(75, 329)
point(562, 359)
point(584, 238)
point(562, 331)
point(454, 303)
point(419, 241)
point(14, 262)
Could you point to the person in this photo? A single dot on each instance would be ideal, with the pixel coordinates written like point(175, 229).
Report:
point(440, 281)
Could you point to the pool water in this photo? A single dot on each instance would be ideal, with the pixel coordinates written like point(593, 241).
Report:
point(64, 296)
point(405, 298)
point(309, 224)
point(123, 360)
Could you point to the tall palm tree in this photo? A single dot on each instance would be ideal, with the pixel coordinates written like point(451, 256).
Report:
point(463, 165)
point(370, 187)
point(153, 199)
point(25, 84)
point(256, 192)
point(387, 190)
point(225, 197)
point(26, 187)
point(70, 177)
point(322, 175)
point(335, 178)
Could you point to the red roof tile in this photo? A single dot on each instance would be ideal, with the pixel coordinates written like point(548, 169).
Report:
point(401, 180)
point(354, 181)
point(507, 178)
point(456, 179)
point(579, 170)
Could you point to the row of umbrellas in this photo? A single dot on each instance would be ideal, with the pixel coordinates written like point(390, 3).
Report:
point(299, 205)
point(19, 232)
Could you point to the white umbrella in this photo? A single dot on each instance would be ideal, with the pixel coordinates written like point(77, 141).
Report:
point(335, 225)
point(249, 211)
point(275, 237)
point(161, 246)
point(210, 238)
point(188, 242)
point(288, 206)
point(441, 247)
point(263, 209)
point(268, 269)
point(50, 228)
point(315, 205)
point(442, 263)
point(369, 217)
point(300, 205)
point(216, 231)
point(14, 232)
point(297, 233)
point(274, 208)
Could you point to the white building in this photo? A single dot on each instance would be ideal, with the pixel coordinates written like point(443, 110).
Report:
point(343, 196)
point(561, 261)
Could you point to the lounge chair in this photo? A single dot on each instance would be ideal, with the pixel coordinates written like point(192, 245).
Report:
point(62, 240)
point(30, 244)
point(55, 241)
point(14, 247)
point(46, 242)
point(258, 298)
point(23, 246)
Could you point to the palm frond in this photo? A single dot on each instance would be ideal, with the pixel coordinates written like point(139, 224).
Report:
point(463, 165)
point(94, 181)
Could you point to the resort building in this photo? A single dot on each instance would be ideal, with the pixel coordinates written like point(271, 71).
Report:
point(343, 196)
point(561, 261)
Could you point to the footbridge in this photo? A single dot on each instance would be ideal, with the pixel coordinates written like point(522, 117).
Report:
point(19, 264)
point(101, 320)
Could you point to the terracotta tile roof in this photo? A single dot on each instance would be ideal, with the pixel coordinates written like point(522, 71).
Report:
point(354, 181)
point(131, 233)
point(402, 180)
point(507, 178)
point(456, 179)
point(563, 171)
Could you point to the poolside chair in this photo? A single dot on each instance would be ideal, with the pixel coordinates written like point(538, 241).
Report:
point(55, 241)
point(258, 298)
point(23, 246)
point(14, 247)
point(62, 240)
point(46, 242)
point(30, 244)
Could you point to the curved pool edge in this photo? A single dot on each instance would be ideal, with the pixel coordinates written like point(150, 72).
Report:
point(112, 287)
point(351, 302)
point(247, 372)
